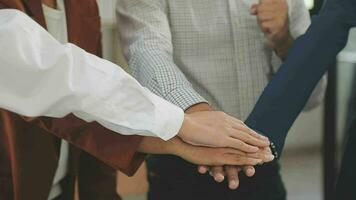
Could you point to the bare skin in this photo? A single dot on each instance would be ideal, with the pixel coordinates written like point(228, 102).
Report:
point(202, 155)
point(273, 19)
point(230, 171)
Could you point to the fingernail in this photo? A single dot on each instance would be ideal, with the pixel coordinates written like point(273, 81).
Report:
point(271, 157)
point(233, 185)
point(250, 172)
point(202, 170)
point(219, 178)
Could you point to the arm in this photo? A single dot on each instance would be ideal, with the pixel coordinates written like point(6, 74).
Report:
point(308, 60)
point(56, 80)
point(280, 29)
point(146, 38)
point(202, 155)
point(146, 35)
point(299, 23)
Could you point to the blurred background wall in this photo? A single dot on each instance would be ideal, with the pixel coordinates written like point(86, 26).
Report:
point(301, 163)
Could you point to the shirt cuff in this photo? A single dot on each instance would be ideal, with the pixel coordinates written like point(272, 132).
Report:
point(169, 120)
point(185, 97)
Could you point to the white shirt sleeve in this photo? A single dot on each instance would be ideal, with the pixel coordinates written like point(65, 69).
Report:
point(41, 77)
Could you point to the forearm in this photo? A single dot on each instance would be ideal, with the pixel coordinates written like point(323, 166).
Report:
point(287, 93)
point(202, 155)
point(156, 70)
point(151, 145)
point(147, 40)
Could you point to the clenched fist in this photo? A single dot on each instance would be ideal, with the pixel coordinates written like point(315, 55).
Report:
point(272, 16)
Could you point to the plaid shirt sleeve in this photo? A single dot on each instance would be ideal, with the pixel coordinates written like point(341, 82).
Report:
point(146, 38)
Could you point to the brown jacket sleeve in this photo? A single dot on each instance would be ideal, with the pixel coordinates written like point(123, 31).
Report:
point(118, 151)
point(2, 6)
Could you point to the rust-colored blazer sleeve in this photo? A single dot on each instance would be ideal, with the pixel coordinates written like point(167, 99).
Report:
point(3, 6)
point(117, 151)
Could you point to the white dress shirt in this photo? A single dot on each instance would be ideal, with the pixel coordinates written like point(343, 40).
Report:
point(204, 51)
point(41, 77)
point(57, 26)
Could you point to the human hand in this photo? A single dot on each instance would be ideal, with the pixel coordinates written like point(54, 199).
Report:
point(217, 129)
point(272, 17)
point(217, 156)
point(200, 155)
point(231, 172)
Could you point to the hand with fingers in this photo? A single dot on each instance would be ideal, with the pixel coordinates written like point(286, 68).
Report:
point(273, 19)
point(218, 129)
point(219, 156)
point(201, 155)
point(248, 140)
point(232, 172)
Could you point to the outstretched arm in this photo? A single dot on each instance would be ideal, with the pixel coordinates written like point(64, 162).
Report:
point(287, 93)
point(203, 155)
point(41, 77)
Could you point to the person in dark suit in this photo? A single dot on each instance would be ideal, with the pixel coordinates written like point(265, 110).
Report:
point(287, 93)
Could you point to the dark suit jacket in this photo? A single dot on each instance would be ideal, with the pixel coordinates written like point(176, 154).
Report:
point(29, 147)
point(285, 96)
point(310, 57)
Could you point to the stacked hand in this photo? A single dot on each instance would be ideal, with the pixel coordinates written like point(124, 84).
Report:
point(218, 172)
point(219, 127)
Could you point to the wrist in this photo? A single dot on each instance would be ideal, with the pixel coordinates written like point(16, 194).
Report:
point(198, 108)
point(175, 147)
point(187, 122)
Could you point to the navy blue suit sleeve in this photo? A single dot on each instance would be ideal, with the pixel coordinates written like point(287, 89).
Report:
point(287, 93)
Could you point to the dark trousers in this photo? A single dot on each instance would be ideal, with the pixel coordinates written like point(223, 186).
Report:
point(174, 179)
point(59, 198)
